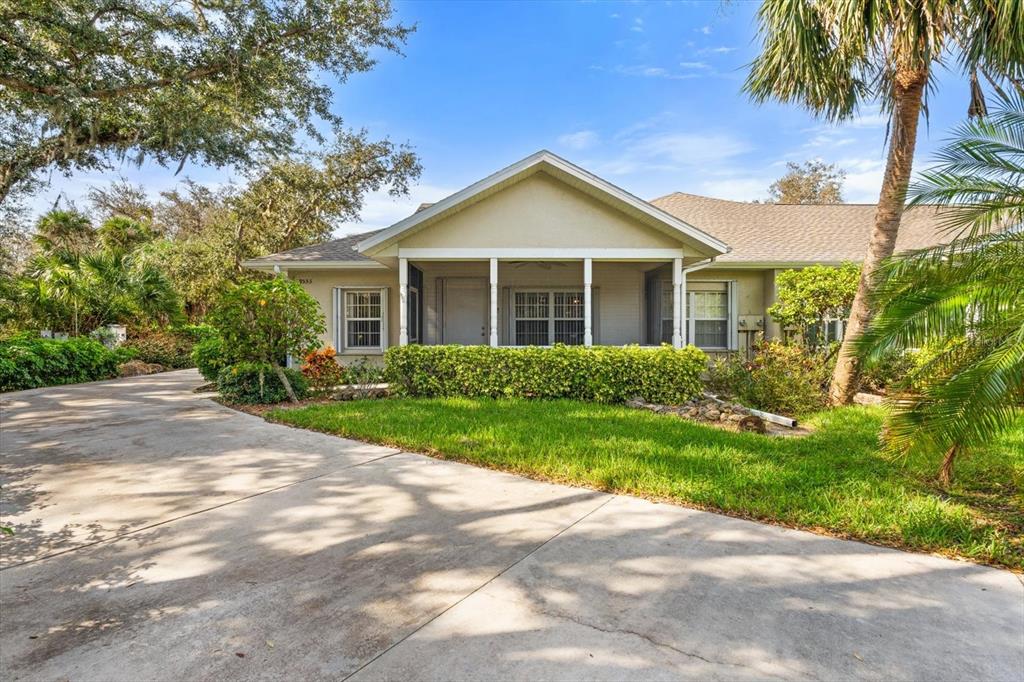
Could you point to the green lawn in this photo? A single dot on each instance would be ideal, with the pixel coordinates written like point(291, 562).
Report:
point(834, 480)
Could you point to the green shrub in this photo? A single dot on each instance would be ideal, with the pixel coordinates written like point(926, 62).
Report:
point(171, 349)
point(256, 383)
point(783, 378)
point(197, 333)
point(27, 362)
point(602, 374)
point(890, 372)
point(211, 355)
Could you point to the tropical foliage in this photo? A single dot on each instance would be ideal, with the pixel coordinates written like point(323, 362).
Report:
point(964, 300)
point(833, 56)
point(81, 278)
point(267, 321)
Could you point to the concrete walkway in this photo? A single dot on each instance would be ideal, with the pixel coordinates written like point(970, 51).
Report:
point(161, 536)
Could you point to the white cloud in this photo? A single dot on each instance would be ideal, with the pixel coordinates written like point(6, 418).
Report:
point(647, 71)
point(582, 139)
point(863, 179)
point(706, 30)
point(643, 151)
point(722, 49)
point(638, 25)
point(694, 65)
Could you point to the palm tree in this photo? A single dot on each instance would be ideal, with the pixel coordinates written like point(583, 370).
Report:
point(963, 299)
point(64, 232)
point(832, 56)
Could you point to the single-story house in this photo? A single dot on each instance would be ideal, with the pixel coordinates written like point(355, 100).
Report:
point(544, 252)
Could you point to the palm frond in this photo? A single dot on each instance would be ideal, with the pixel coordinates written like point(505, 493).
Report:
point(963, 300)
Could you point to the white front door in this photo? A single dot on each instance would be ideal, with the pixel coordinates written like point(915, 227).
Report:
point(464, 311)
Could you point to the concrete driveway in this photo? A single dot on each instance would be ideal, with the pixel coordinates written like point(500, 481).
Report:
point(162, 536)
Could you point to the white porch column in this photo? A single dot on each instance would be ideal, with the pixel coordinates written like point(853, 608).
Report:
point(588, 280)
point(677, 300)
point(684, 327)
point(403, 301)
point(494, 303)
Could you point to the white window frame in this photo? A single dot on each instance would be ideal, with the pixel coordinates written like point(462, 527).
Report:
point(731, 320)
point(551, 319)
point(341, 346)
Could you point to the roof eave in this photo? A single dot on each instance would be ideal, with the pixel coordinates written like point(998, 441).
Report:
point(313, 265)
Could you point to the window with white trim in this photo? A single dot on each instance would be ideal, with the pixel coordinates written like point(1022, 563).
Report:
point(544, 318)
point(710, 315)
point(362, 319)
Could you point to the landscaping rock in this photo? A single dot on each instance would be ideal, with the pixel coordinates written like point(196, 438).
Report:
point(752, 423)
point(707, 410)
point(135, 368)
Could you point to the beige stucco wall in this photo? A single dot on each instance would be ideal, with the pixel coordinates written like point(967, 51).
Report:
point(320, 284)
point(539, 212)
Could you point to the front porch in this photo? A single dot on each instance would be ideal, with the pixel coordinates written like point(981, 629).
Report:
point(518, 301)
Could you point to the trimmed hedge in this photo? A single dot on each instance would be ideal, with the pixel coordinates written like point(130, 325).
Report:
point(601, 374)
point(29, 362)
point(256, 383)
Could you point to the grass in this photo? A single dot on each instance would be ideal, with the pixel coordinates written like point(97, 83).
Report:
point(833, 481)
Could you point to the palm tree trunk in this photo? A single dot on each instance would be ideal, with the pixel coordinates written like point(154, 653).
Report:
point(908, 97)
point(946, 472)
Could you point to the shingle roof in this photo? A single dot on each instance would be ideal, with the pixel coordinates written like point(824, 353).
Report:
point(757, 233)
point(343, 249)
point(780, 233)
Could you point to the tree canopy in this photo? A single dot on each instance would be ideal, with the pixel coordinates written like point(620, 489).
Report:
point(213, 83)
point(812, 182)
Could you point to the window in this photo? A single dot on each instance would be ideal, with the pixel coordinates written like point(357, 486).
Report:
point(414, 315)
point(361, 316)
point(543, 318)
point(710, 315)
point(532, 312)
point(666, 312)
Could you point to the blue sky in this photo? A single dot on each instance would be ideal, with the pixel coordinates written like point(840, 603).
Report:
point(646, 95)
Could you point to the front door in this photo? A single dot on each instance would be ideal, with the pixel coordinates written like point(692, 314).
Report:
point(464, 305)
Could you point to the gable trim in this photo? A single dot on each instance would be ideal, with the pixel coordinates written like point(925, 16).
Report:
point(542, 158)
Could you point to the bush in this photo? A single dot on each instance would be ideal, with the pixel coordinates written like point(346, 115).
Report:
point(27, 362)
point(171, 349)
point(256, 383)
point(890, 372)
point(322, 371)
point(602, 374)
point(782, 378)
point(197, 333)
point(211, 355)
